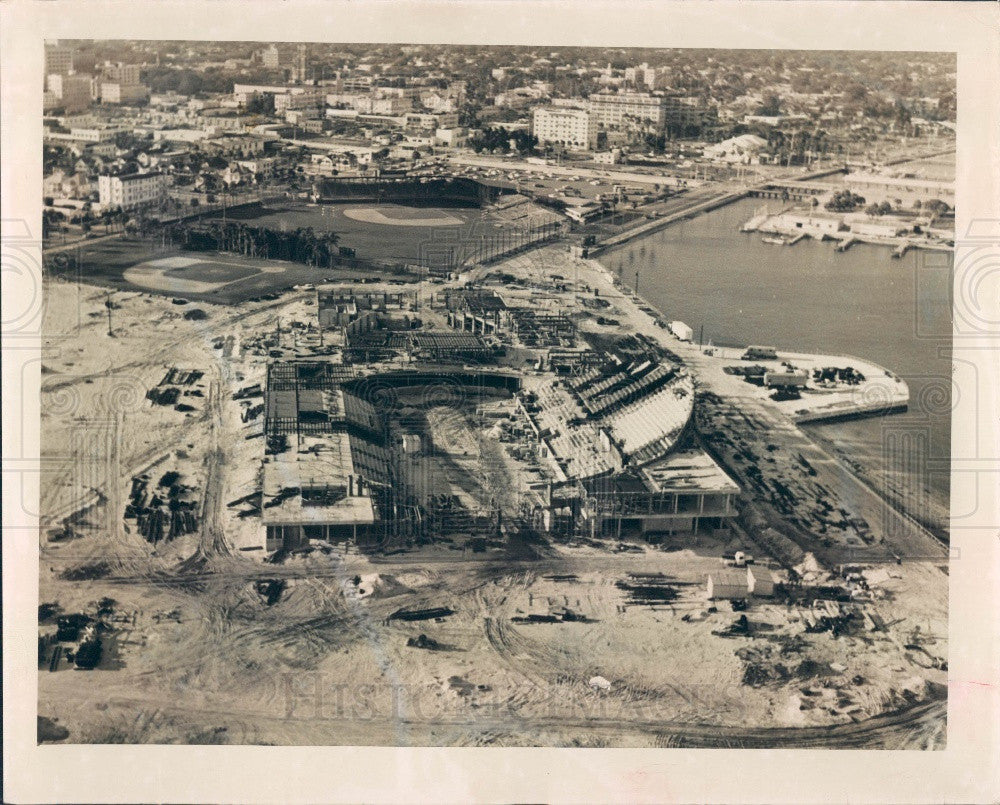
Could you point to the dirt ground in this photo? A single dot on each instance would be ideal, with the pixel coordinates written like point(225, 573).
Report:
point(210, 644)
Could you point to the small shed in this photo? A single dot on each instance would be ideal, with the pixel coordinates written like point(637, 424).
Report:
point(760, 581)
point(681, 330)
point(727, 585)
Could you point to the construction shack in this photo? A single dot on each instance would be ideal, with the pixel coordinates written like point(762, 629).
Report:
point(727, 585)
point(760, 581)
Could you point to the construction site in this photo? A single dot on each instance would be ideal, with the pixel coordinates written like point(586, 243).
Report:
point(507, 506)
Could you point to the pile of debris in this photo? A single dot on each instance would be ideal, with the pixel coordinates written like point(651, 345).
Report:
point(181, 377)
point(161, 512)
point(163, 396)
point(435, 613)
point(648, 588)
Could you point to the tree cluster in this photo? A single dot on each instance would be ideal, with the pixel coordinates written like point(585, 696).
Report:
point(302, 245)
point(500, 139)
point(844, 201)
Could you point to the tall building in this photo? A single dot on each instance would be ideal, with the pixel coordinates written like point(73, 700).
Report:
point(132, 191)
point(72, 91)
point(58, 60)
point(271, 57)
point(121, 73)
point(571, 128)
point(651, 78)
point(614, 110)
point(300, 64)
point(119, 83)
point(687, 115)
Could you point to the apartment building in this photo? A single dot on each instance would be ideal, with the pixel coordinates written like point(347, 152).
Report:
point(132, 191)
point(571, 128)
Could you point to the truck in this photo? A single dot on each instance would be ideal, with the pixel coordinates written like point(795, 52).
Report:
point(757, 353)
point(786, 379)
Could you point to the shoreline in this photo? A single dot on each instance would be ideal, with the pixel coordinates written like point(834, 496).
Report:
point(806, 423)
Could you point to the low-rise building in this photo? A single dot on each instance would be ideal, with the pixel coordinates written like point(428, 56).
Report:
point(882, 226)
point(727, 585)
point(811, 223)
point(744, 149)
point(233, 145)
point(613, 156)
point(901, 190)
point(760, 581)
point(117, 92)
point(455, 137)
point(132, 191)
point(60, 184)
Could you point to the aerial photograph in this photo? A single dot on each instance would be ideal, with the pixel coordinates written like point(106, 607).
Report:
point(454, 395)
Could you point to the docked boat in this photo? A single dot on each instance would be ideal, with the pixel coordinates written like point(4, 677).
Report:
point(777, 241)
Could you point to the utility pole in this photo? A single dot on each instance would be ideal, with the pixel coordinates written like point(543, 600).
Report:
point(107, 304)
point(636, 283)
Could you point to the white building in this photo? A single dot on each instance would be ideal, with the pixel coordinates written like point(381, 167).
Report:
point(132, 191)
point(760, 581)
point(117, 92)
point(727, 585)
point(455, 137)
point(812, 223)
point(308, 99)
point(271, 57)
point(882, 226)
point(614, 110)
point(649, 77)
point(744, 149)
point(572, 128)
point(901, 190)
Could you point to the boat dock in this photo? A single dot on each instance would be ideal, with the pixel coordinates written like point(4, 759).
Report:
point(846, 244)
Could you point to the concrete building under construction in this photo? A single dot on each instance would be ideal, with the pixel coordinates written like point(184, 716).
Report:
point(327, 472)
point(331, 463)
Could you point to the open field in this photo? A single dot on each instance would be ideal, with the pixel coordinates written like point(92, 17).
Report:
point(138, 265)
point(404, 233)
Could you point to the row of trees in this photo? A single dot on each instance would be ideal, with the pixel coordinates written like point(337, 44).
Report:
point(302, 245)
